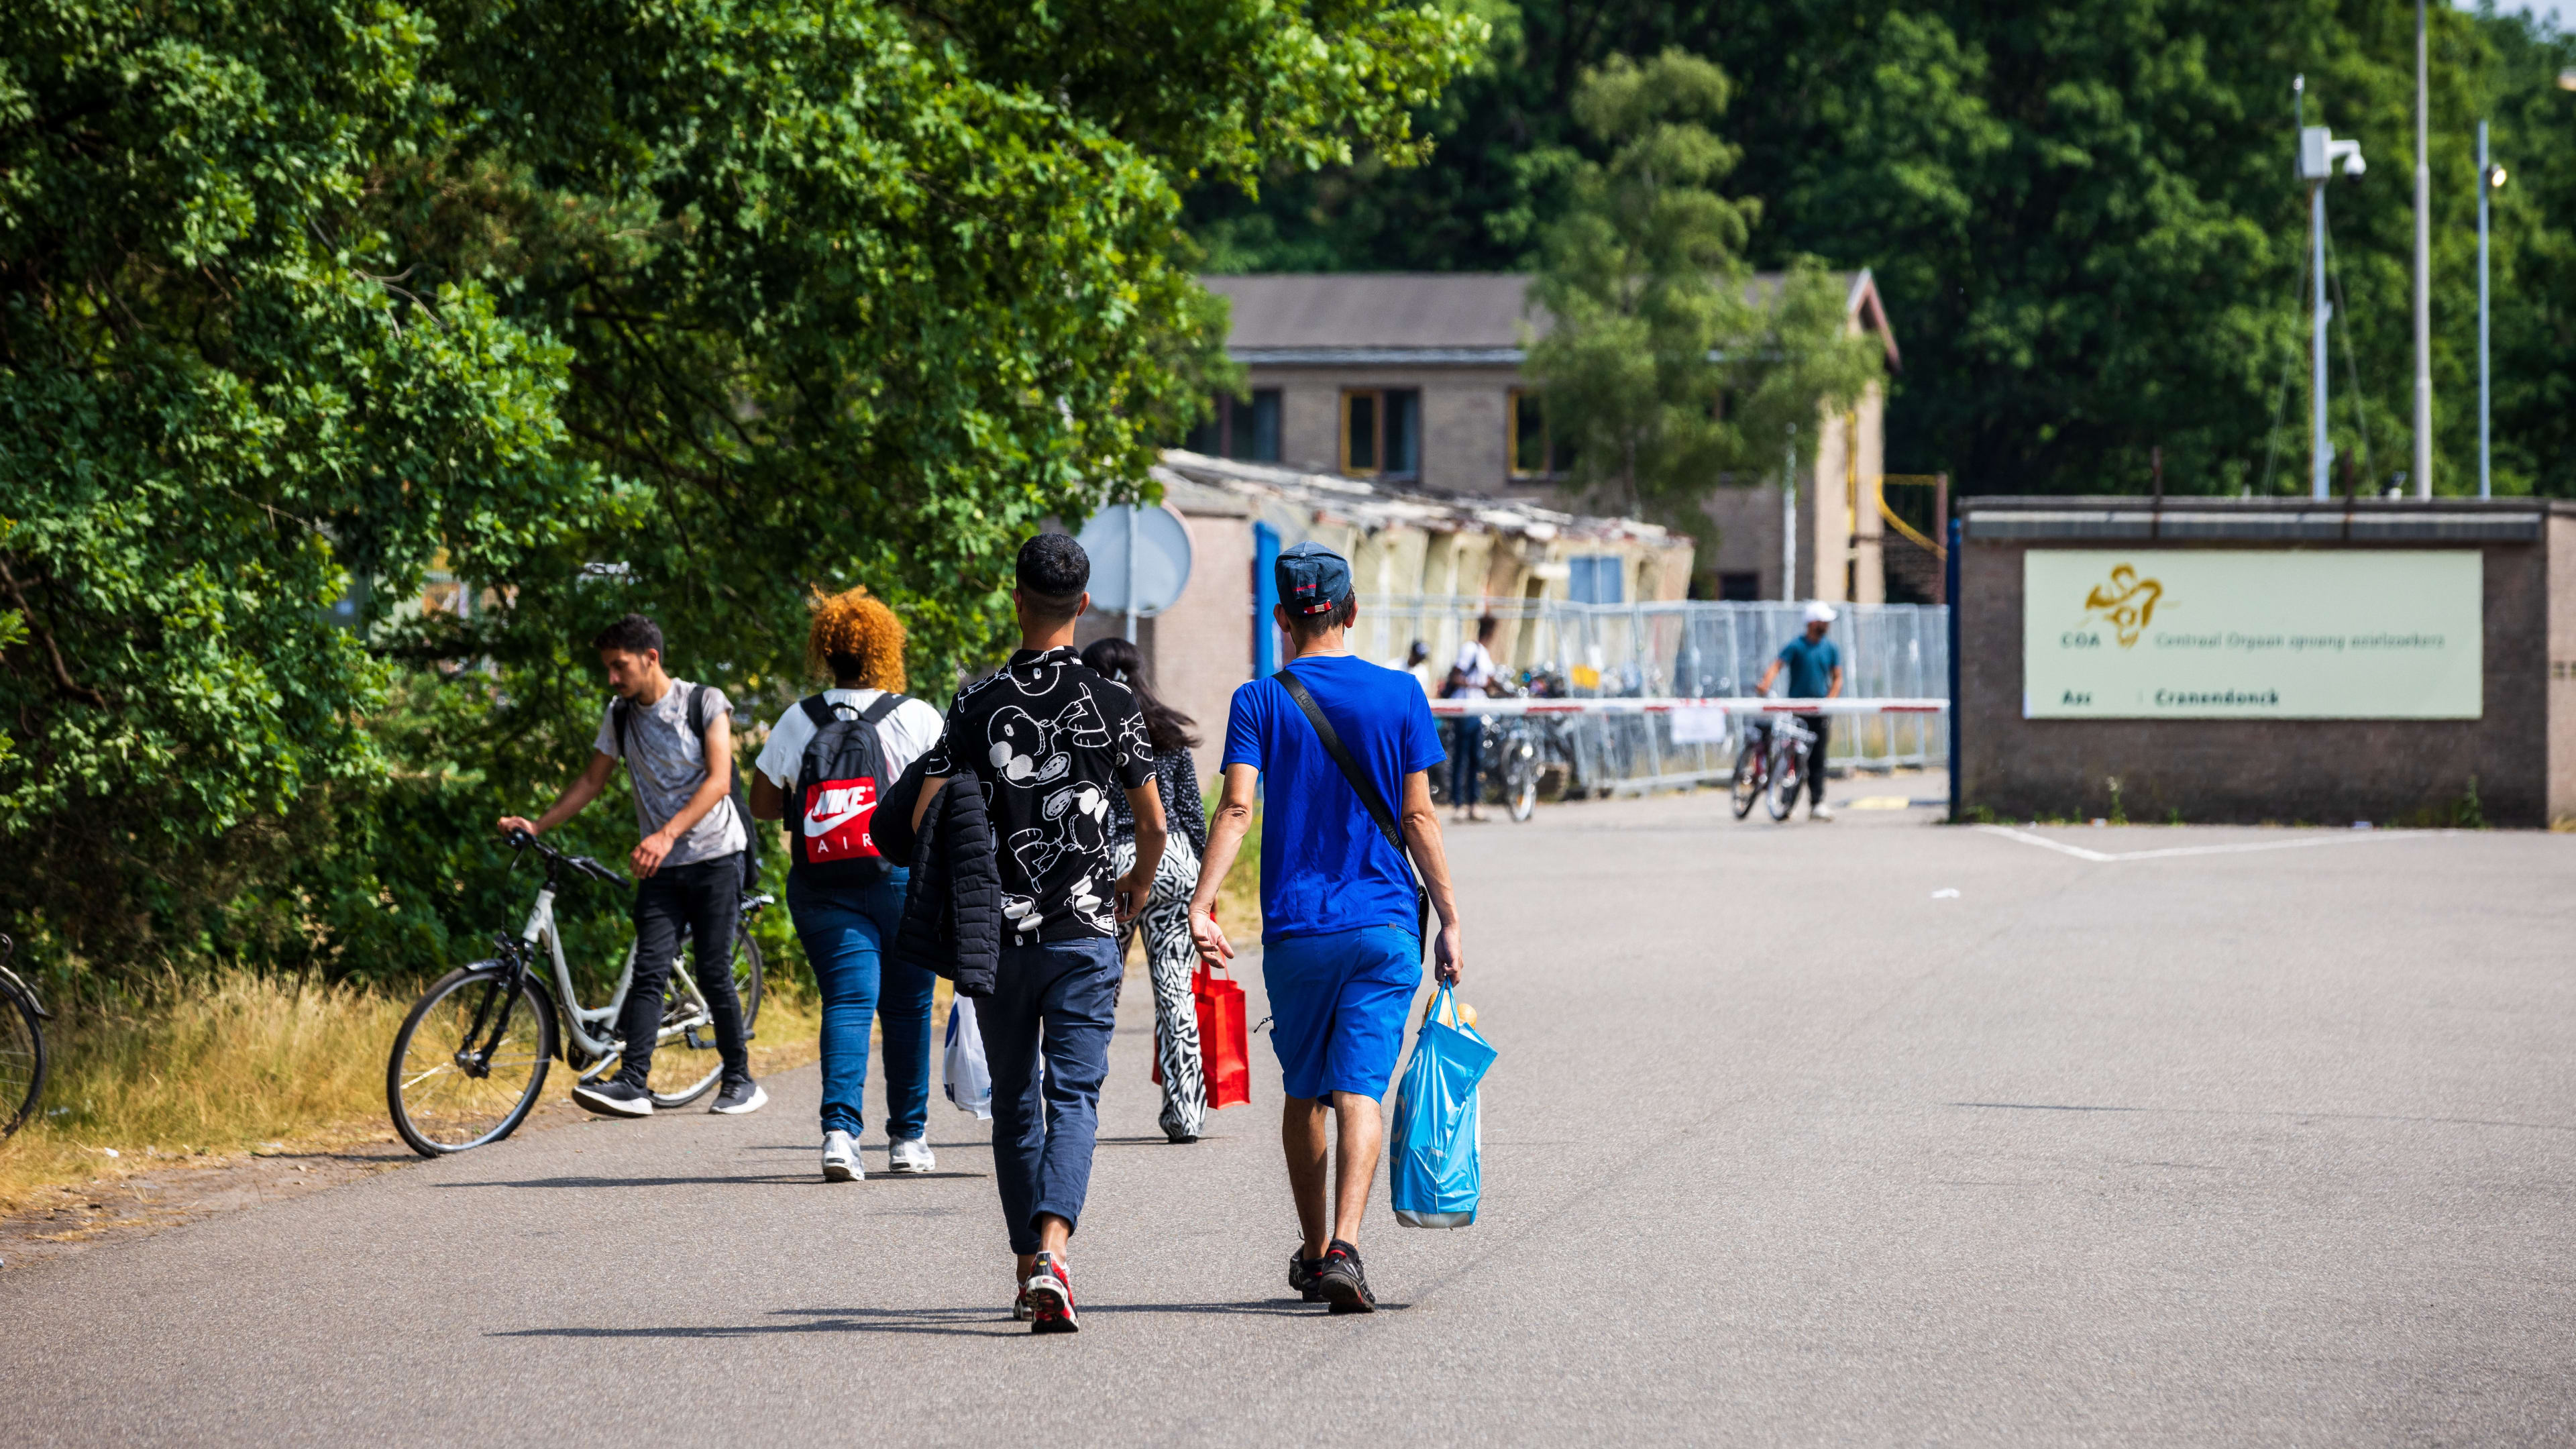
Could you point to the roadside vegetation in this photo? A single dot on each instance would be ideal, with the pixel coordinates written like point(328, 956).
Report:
point(205, 1068)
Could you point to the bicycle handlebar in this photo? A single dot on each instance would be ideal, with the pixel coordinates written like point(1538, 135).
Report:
point(581, 864)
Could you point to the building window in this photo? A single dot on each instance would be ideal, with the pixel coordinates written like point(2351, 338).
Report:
point(1741, 588)
point(1525, 430)
point(1595, 579)
point(1382, 433)
point(1244, 429)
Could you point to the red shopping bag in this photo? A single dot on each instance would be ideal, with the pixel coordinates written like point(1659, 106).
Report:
point(1225, 1044)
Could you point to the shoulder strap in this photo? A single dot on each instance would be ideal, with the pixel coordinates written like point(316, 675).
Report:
point(817, 709)
point(697, 711)
point(1365, 787)
point(886, 704)
point(617, 712)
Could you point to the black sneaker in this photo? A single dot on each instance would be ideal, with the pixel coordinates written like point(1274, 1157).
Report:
point(739, 1096)
point(1342, 1282)
point(615, 1097)
point(1301, 1274)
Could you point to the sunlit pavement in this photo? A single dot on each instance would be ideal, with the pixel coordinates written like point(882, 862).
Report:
point(1869, 1131)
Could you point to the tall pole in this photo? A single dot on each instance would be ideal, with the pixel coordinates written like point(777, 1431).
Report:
point(2322, 451)
point(2485, 483)
point(1789, 521)
point(2423, 274)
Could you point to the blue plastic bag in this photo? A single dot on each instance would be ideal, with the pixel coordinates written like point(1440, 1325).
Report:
point(1439, 1170)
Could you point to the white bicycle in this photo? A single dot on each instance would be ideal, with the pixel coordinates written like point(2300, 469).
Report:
point(470, 1060)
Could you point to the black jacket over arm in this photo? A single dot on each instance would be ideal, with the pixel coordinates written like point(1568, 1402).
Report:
point(952, 908)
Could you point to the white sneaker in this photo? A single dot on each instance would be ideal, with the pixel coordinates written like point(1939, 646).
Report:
point(911, 1154)
point(841, 1158)
point(1820, 811)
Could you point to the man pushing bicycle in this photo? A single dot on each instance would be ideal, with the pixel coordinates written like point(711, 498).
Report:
point(677, 741)
point(1815, 672)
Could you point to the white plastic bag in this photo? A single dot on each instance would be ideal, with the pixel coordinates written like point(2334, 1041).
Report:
point(970, 1081)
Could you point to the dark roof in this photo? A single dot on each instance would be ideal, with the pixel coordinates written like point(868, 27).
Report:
point(1459, 317)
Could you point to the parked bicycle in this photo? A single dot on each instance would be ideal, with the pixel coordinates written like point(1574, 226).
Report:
point(1772, 765)
point(471, 1059)
point(22, 1045)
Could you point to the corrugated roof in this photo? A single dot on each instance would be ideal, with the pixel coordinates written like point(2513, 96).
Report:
point(1299, 497)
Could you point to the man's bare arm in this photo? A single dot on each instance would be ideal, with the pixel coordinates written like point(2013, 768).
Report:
point(768, 800)
point(1421, 825)
point(1226, 829)
point(1834, 688)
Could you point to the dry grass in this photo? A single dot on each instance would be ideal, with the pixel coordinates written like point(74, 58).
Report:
point(244, 1062)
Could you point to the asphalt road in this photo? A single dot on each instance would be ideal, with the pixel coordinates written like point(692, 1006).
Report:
point(2269, 1144)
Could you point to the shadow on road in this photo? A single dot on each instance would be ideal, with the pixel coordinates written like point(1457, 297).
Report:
point(958, 1322)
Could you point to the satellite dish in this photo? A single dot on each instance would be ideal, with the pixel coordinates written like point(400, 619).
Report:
point(1140, 559)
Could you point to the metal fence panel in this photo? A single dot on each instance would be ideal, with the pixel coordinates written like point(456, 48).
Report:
point(1706, 650)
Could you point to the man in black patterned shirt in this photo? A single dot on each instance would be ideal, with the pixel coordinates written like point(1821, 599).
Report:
point(1050, 741)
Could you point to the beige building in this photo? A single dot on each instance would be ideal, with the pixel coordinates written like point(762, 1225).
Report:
point(1414, 380)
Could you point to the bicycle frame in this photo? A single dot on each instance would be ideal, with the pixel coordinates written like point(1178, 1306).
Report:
point(591, 1031)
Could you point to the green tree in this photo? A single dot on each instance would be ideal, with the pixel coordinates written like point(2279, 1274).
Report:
point(682, 307)
point(1663, 369)
point(2082, 216)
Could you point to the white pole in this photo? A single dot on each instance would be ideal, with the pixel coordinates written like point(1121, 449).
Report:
point(2485, 484)
point(2319, 485)
point(1131, 573)
point(2423, 274)
point(1789, 522)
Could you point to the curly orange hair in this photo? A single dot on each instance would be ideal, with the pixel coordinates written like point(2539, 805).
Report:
point(854, 633)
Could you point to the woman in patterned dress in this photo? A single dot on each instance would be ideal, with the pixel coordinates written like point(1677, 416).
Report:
point(1165, 920)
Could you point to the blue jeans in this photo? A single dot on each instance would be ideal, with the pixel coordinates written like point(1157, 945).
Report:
point(845, 930)
point(1060, 998)
point(1467, 762)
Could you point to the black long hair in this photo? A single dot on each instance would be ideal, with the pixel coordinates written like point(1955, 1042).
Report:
point(1166, 728)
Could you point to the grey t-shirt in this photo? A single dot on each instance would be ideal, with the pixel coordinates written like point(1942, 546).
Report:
point(668, 764)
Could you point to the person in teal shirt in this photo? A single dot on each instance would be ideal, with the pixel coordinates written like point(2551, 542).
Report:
point(1815, 672)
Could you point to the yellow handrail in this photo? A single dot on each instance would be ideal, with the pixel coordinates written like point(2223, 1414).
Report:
point(1878, 492)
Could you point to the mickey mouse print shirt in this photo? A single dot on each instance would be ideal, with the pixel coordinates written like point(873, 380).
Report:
point(1051, 741)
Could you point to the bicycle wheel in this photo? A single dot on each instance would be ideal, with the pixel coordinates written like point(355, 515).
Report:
point(1520, 778)
point(469, 1061)
point(1788, 772)
point(1749, 777)
point(22, 1059)
point(686, 1063)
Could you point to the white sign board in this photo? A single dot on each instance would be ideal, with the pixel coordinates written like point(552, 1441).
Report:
point(1699, 724)
point(2253, 634)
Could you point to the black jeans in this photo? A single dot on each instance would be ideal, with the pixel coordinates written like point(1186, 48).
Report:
point(1822, 724)
point(1467, 762)
point(703, 898)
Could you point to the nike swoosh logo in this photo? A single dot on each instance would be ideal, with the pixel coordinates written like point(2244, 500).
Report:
point(829, 824)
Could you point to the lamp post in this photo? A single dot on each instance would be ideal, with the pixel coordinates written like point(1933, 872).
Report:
point(2319, 155)
point(2423, 275)
point(2490, 179)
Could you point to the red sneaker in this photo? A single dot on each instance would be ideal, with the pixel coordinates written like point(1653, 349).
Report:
point(1050, 1295)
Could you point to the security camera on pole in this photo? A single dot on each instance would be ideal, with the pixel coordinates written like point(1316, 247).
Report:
point(2319, 154)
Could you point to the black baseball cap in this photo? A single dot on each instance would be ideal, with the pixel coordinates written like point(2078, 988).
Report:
point(1311, 578)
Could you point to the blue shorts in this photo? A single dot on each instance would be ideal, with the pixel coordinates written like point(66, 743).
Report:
point(1338, 1004)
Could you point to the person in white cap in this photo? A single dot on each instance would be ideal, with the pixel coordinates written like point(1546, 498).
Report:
point(1815, 672)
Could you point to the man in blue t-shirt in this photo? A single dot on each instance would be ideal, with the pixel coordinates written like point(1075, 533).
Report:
point(1341, 928)
point(1815, 672)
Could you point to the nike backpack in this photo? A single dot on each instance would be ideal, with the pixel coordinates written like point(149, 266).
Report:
point(842, 776)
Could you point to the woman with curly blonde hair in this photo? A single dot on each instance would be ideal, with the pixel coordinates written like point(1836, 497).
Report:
point(828, 759)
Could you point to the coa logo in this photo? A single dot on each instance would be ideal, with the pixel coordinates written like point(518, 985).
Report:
point(2127, 603)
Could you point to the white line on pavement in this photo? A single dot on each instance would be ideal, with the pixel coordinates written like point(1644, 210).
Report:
point(2358, 837)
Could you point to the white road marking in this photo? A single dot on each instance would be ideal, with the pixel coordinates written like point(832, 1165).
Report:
point(2358, 837)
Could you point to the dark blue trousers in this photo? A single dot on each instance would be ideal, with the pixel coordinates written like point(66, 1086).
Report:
point(1059, 1001)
